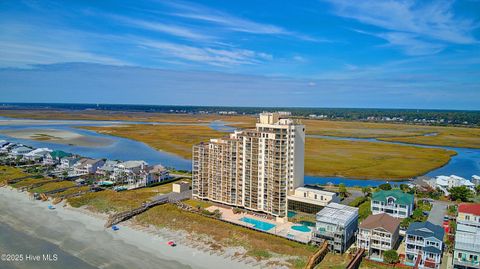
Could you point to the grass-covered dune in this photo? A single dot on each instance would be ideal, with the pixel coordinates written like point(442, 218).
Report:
point(259, 245)
point(7, 173)
point(111, 201)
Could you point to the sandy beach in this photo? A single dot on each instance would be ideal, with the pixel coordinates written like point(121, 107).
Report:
point(65, 137)
point(81, 234)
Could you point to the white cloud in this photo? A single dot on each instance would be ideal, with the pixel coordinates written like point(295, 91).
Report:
point(233, 23)
point(418, 27)
point(26, 45)
point(170, 29)
point(208, 55)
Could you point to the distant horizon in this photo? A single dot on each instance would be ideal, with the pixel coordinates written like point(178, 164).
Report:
point(230, 106)
point(327, 53)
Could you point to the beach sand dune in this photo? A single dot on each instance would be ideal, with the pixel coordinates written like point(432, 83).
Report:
point(83, 236)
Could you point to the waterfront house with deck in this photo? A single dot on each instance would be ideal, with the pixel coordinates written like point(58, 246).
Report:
point(156, 174)
point(396, 203)
point(466, 254)
point(336, 224)
point(87, 166)
point(377, 234)
point(55, 157)
point(67, 163)
point(444, 183)
point(19, 151)
point(37, 154)
point(424, 245)
point(5, 147)
point(129, 171)
point(107, 168)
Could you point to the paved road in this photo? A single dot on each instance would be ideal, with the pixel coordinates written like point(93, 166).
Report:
point(437, 213)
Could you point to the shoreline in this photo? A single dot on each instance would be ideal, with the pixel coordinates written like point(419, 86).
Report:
point(81, 233)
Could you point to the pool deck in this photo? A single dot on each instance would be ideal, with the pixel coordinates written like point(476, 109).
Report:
point(280, 229)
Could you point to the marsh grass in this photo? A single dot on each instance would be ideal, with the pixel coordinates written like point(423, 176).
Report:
point(370, 160)
point(176, 139)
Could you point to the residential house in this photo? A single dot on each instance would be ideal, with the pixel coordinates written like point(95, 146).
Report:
point(19, 151)
point(87, 166)
point(336, 224)
point(444, 183)
point(310, 200)
point(68, 162)
point(156, 174)
point(476, 180)
point(5, 147)
point(466, 254)
point(37, 154)
point(377, 234)
point(132, 172)
point(424, 245)
point(3, 143)
point(107, 168)
point(396, 203)
point(55, 157)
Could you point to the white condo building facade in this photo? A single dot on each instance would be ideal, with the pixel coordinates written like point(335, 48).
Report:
point(255, 169)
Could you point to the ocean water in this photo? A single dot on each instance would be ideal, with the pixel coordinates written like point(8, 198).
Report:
point(14, 241)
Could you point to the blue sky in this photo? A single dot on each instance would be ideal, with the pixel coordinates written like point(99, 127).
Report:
point(324, 53)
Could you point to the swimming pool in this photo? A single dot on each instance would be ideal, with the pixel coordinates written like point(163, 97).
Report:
point(301, 228)
point(258, 224)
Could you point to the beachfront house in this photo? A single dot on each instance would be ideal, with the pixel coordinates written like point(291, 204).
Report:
point(131, 172)
point(5, 147)
point(3, 143)
point(336, 224)
point(156, 174)
point(55, 157)
point(67, 163)
point(107, 168)
point(310, 200)
point(444, 183)
point(19, 151)
point(377, 234)
point(466, 254)
point(37, 154)
point(396, 203)
point(87, 166)
point(424, 245)
point(476, 180)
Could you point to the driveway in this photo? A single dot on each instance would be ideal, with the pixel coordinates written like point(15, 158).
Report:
point(437, 213)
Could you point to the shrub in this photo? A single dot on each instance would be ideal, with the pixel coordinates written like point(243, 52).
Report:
point(385, 187)
point(390, 256)
point(358, 201)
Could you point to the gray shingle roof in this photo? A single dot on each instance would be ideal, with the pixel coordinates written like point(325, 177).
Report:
point(426, 229)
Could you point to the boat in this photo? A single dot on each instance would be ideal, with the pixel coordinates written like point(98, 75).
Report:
point(171, 243)
point(51, 207)
point(115, 228)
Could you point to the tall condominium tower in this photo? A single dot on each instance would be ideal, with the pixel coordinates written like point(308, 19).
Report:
point(255, 169)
